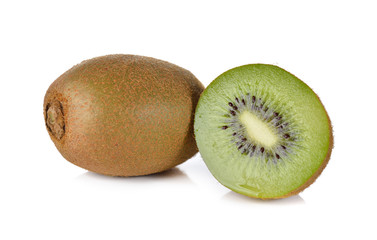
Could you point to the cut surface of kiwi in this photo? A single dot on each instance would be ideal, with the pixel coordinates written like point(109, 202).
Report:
point(262, 132)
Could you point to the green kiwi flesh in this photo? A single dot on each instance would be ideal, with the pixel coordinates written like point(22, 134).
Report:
point(123, 115)
point(262, 132)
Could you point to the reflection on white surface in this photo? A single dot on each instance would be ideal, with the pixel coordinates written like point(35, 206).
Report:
point(236, 197)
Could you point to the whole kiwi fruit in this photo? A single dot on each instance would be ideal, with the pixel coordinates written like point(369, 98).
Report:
point(123, 115)
point(263, 132)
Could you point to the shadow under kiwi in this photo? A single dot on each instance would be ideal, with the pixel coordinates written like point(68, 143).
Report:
point(236, 197)
point(173, 174)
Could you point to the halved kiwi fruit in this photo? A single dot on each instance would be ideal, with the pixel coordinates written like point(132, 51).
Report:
point(123, 115)
point(263, 132)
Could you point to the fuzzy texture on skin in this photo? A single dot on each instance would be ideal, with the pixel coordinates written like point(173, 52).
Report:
point(123, 115)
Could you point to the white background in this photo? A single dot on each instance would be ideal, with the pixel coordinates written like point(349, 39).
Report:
point(331, 45)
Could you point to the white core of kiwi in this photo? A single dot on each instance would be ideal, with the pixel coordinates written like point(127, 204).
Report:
point(258, 130)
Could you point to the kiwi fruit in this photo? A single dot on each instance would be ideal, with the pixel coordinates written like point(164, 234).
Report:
point(123, 115)
point(262, 132)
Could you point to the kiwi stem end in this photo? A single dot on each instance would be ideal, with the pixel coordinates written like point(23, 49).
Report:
point(55, 119)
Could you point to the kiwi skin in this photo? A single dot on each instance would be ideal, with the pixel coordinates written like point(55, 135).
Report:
point(123, 115)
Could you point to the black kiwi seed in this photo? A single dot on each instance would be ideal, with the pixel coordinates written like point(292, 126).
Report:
point(266, 113)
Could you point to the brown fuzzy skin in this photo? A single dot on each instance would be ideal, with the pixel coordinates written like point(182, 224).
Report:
point(124, 115)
